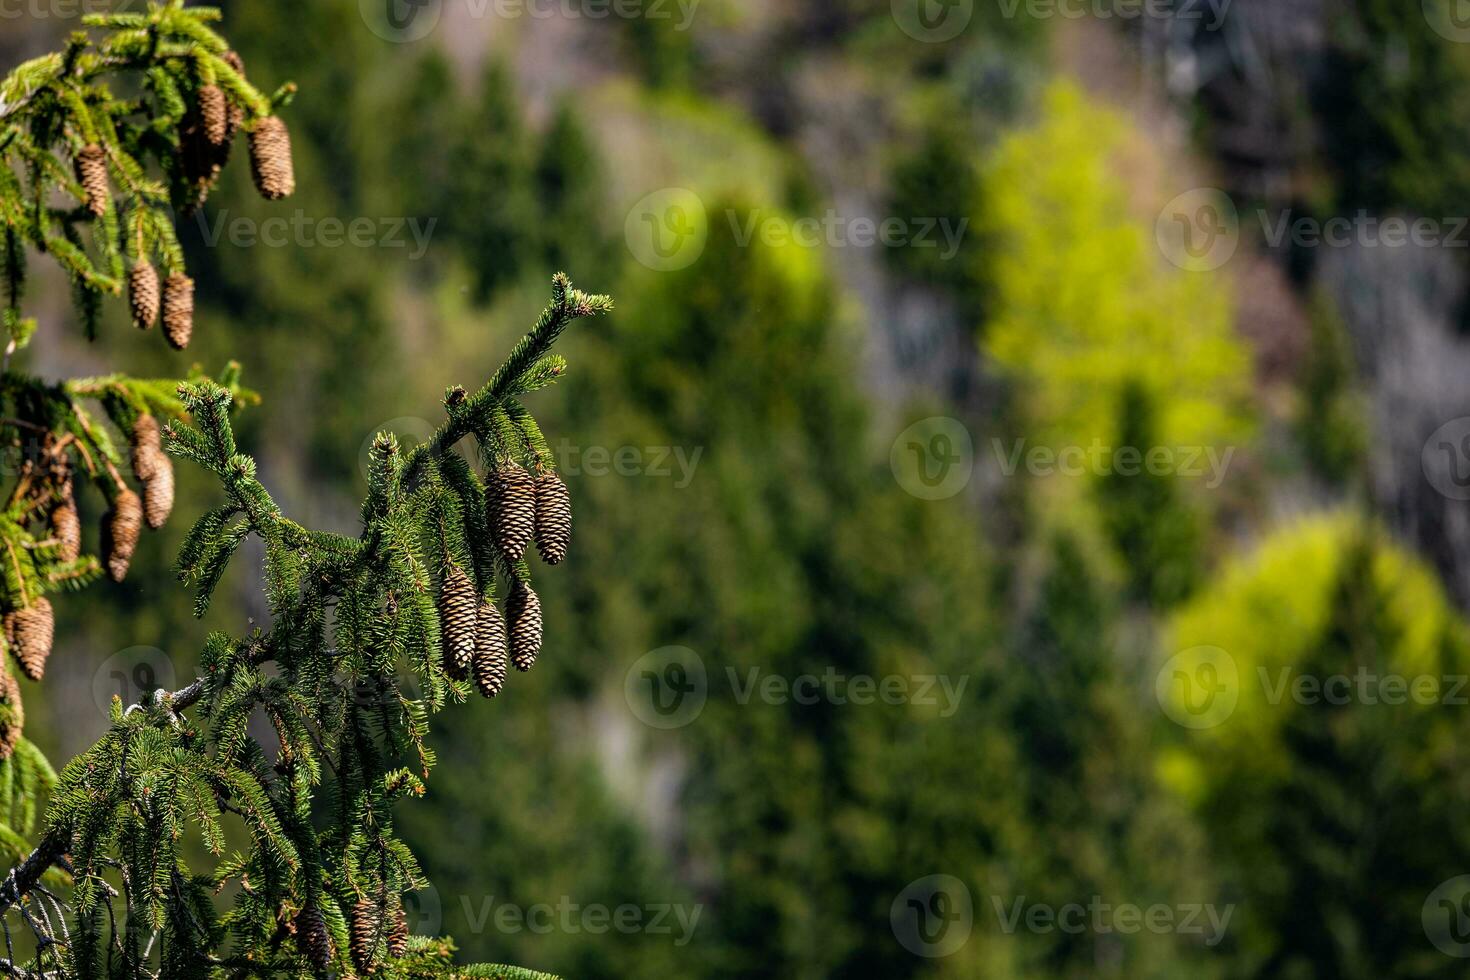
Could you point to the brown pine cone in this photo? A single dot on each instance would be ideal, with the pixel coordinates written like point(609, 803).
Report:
point(120, 533)
point(270, 159)
point(366, 926)
point(158, 494)
point(143, 294)
point(214, 113)
point(66, 528)
point(234, 115)
point(178, 310)
point(457, 620)
point(313, 939)
point(511, 503)
point(490, 655)
point(524, 611)
point(553, 518)
point(12, 714)
point(91, 170)
point(30, 632)
point(398, 935)
point(147, 446)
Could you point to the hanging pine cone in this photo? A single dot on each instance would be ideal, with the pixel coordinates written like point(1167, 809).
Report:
point(270, 159)
point(457, 620)
point(178, 310)
point(120, 533)
point(524, 611)
point(66, 528)
point(143, 294)
point(366, 926)
point(158, 494)
point(214, 113)
point(147, 446)
point(91, 170)
point(313, 939)
point(553, 518)
point(398, 934)
point(511, 500)
point(30, 632)
point(12, 721)
point(234, 114)
point(490, 654)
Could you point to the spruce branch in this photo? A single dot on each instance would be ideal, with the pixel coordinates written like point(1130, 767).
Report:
point(187, 756)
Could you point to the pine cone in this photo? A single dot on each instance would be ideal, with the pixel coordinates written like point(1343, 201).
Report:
point(91, 170)
point(12, 722)
point(158, 494)
point(457, 620)
point(511, 499)
point(143, 294)
point(234, 114)
point(178, 310)
point(147, 446)
point(553, 518)
point(490, 643)
point(214, 113)
point(398, 935)
point(524, 610)
point(313, 939)
point(30, 632)
point(270, 159)
point(366, 926)
point(120, 534)
point(66, 527)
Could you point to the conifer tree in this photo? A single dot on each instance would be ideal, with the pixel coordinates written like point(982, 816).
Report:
point(491, 180)
point(93, 180)
point(1156, 533)
point(302, 873)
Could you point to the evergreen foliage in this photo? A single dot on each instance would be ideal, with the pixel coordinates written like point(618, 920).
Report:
point(93, 179)
point(304, 872)
point(1330, 427)
point(938, 178)
point(1330, 792)
point(491, 169)
point(1393, 99)
point(1157, 534)
point(346, 676)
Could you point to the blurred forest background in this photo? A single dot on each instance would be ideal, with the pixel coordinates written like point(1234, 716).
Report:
point(1332, 539)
